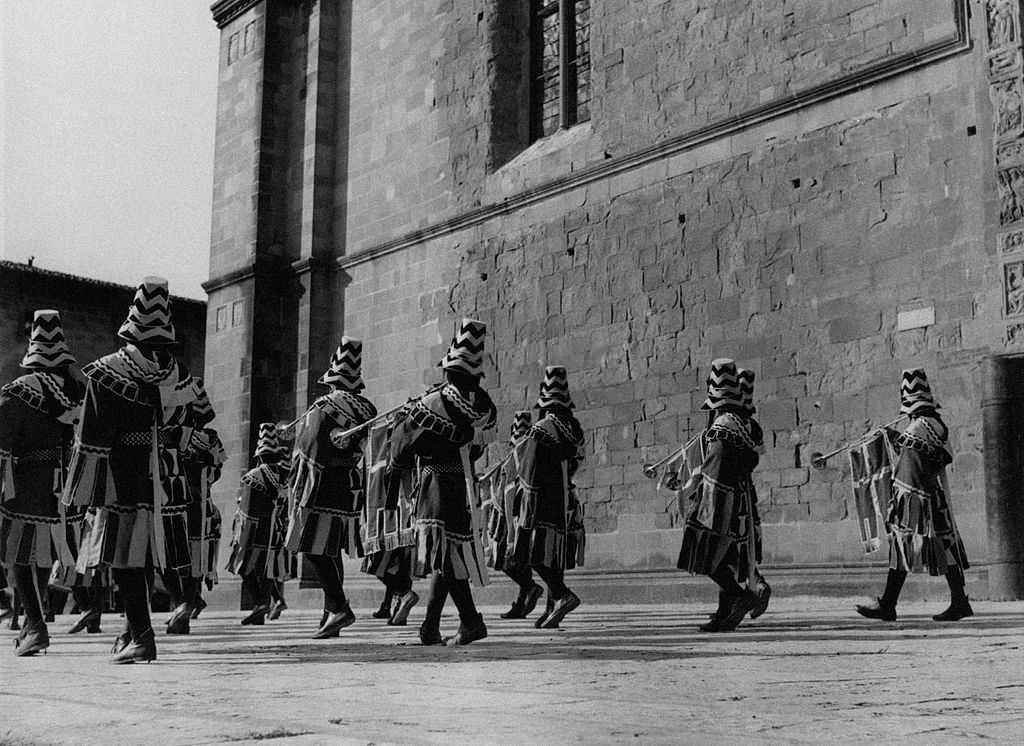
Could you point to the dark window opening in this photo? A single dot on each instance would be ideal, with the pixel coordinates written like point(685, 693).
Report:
point(560, 65)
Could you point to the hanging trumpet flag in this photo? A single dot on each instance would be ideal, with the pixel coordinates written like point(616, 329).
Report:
point(871, 472)
point(682, 474)
point(388, 523)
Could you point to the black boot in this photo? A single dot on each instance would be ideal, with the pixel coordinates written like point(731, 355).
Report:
point(884, 607)
point(32, 640)
point(472, 631)
point(959, 605)
point(142, 650)
point(714, 623)
point(764, 594)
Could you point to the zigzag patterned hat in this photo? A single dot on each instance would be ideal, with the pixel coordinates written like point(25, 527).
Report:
point(345, 370)
point(149, 316)
point(202, 409)
point(555, 388)
point(466, 353)
point(520, 424)
point(46, 345)
point(723, 385)
point(915, 392)
point(746, 381)
point(269, 442)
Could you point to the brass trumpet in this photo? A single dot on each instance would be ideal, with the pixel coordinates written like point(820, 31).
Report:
point(651, 470)
point(818, 460)
point(284, 428)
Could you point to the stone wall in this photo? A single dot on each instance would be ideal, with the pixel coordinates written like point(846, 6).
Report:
point(804, 186)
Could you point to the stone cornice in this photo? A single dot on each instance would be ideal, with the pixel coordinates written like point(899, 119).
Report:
point(928, 54)
point(260, 266)
point(314, 264)
point(225, 11)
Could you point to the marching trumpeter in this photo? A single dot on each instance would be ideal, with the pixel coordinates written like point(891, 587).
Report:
point(258, 555)
point(36, 415)
point(126, 465)
point(440, 437)
point(719, 534)
point(327, 483)
point(203, 464)
point(922, 531)
point(505, 508)
point(549, 534)
point(389, 534)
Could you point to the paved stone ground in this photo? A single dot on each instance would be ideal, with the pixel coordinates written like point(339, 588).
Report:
point(808, 671)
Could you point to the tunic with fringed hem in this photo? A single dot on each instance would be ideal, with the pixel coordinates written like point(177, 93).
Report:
point(431, 439)
point(388, 516)
point(36, 415)
point(326, 481)
point(122, 475)
point(717, 518)
point(922, 531)
point(257, 543)
point(202, 469)
point(549, 528)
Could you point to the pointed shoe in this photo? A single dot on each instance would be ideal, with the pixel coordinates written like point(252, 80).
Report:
point(255, 617)
point(142, 651)
point(200, 605)
point(405, 604)
point(90, 620)
point(469, 633)
point(530, 602)
point(877, 611)
point(275, 609)
point(568, 602)
point(122, 641)
point(384, 612)
point(544, 617)
point(743, 604)
point(764, 594)
point(431, 636)
point(516, 612)
point(334, 623)
point(179, 624)
point(959, 609)
point(33, 641)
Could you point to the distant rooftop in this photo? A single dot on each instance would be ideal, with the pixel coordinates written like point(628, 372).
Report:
point(30, 269)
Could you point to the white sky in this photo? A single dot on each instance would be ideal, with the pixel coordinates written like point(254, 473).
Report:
point(106, 135)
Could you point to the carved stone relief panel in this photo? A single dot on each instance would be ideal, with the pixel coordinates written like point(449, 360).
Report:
point(1012, 242)
point(1003, 18)
point(1013, 288)
point(1011, 194)
point(1008, 101)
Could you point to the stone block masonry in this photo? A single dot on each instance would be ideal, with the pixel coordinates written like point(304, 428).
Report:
point(775, 182)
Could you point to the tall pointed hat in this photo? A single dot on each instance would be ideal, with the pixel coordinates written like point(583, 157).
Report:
point(149, 316)
point(202, 409)
point(269, 442)
point(915, 392)
point(555, 388)
point(345, 370)
point(520, 424)
point(46, 345)
point(746, 381)
point(723, 385)
point(466, 353)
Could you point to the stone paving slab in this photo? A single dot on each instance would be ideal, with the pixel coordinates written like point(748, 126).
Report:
point(809, 671)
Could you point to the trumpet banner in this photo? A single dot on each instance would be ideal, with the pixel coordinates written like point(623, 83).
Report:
point(389, 496)
point(871, 473)
point(682, 474)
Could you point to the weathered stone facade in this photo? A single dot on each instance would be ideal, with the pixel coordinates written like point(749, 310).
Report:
point(91, 312)
point(826, 192)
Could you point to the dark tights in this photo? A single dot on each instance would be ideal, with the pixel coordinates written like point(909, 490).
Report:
point(400, 582)
point(180, 589)
point(135, 597)
point(331, 574)
point(277, 590)
point(30, 582)
point(258, 587)
point(726, 580)
point(554, 579)
point(521, 576)
point(895, 579)
point(442, 585)
point(89, 598)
